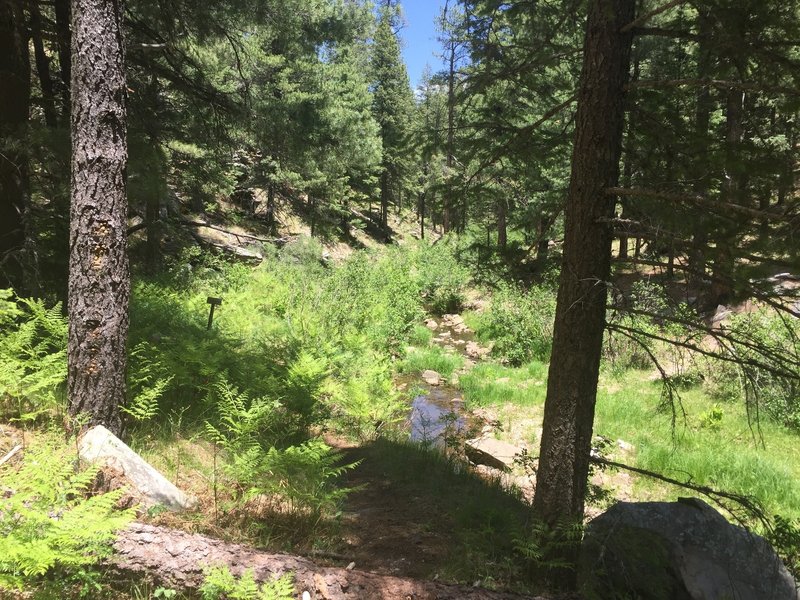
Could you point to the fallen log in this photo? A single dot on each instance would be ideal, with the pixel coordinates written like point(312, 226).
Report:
point(177, 559)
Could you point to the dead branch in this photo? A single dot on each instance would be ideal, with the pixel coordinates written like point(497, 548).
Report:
point(724, 207)
point(719, 497)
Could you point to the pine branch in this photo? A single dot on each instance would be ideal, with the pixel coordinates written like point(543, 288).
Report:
point(649, 15)
point(717, 83)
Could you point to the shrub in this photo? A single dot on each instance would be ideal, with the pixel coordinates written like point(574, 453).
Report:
point(441, 276)
point(520, 323)
point(766, 346)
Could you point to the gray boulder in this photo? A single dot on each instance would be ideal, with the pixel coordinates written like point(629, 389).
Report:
point(681, 550)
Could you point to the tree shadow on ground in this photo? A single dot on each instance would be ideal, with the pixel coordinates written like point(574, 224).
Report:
point(415, 512)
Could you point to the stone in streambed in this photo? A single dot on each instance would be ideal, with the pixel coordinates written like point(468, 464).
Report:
point(431, 377)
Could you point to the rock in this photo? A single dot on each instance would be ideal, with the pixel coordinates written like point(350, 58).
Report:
point(492, 453)
point(453, 320)
point(683, 550)
point(474, 350)
point(431, 324)
point(721, 313)
point(431, 377)
point(625, 446)
point(100, 446)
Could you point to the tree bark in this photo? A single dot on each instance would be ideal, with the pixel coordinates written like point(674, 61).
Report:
point(502, 223)
point(176, 559)
point(581, 305)
point(15, 95)
point(99, 279)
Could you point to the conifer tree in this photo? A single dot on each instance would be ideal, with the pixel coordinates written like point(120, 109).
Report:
point(99, 278)
point(392, 106)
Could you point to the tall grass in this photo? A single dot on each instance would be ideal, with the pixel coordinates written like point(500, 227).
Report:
point(491, 384)
point(713, 445)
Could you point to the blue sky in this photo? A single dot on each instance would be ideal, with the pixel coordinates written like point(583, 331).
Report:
point(419, 37)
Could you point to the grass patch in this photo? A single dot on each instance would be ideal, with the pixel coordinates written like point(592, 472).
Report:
point(434, 358)
point(713, 445)
point(490, 384)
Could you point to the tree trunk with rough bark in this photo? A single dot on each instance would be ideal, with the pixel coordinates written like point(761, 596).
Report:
point(580, 312)
point(177, 559)
point(15, 96)
point(99, 279)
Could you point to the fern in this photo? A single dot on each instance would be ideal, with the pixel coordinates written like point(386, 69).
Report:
point(47, 522)
point(147, 381)
point(221, 583)
point(33, 355)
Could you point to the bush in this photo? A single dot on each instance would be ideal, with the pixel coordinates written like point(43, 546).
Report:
point(441, 276)
point(766, 346)
point(520, 323)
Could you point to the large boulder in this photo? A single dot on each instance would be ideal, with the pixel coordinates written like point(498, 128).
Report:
point(681, 550)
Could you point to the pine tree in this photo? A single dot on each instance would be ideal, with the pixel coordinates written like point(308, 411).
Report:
point(581, 306)
point(14, 108)
point(392, 107)
point(99, 278)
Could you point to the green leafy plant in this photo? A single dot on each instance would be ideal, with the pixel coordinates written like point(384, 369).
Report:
point(49, 522)
point(712, 418)
point(147, 382)
point(520, 323)
point(221, 584)
point(33, 356)
point(299, 480)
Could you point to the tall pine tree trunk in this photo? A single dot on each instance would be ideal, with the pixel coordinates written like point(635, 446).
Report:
point(99, 279)
point(15, 96)
point(581, 305)
point(64, 38)
point(43, 66)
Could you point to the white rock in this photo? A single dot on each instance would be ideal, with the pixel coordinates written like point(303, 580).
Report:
point(100, 446)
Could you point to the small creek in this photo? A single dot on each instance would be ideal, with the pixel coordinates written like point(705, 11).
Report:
point(438, 412)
